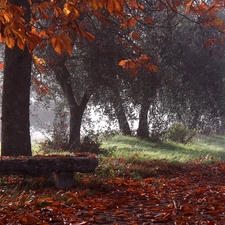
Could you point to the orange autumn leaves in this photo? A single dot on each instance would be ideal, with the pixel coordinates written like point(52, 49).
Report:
point(191, 193)
point(133, 65)
point(11, 17)
point(64, 18)
point(14, 30)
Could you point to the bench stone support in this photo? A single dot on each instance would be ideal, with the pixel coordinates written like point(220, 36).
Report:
point(63, 179)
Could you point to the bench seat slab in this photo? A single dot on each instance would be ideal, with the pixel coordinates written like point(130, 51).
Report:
point(46, 165)
point(62, 168)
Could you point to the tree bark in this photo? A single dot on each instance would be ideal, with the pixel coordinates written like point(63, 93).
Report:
point(221, 129)
point(76, 110)
point(143, 131)
point(76, 114)
point(195, 119)
point(121, 116)
point(16, 97)
point(122, 120)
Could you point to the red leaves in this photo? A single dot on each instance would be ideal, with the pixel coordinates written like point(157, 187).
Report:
point(9, 38)
point(13, 29)
point(127, 64)
point(129, 23)
point(217, 22)
point(29, 219)
point(77, 154)
point(62, 42)
point(188, 6)
point(36, 82)
point(208, 12)
point(89, 36)
point(70, 9)
point(112, 6)
point(149, 21)
point(135, 36)
point(2, 65)
point(142, 61)
point(188, 194)
point(209, 42)
point(41, 89)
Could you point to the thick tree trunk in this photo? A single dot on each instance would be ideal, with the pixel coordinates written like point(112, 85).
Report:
point(76, 110)
point(76, 114)
point(143, 131)
point(16, 97)
point(15, 103)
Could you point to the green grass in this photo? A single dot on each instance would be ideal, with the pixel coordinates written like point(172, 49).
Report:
point(208, 148)
point(37, 149)
point(211, 148)
point(124, 156)
point(130, 157)
point(135, 158)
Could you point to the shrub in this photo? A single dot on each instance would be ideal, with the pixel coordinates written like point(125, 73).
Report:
point(90, 143)
point(180, 133)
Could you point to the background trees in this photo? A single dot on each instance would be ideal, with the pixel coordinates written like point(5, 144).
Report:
point(127, 33)
point(49, 23)
point(196, 78)
point(175, 93)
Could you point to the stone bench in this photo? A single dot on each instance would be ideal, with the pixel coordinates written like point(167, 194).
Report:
point(62, 167)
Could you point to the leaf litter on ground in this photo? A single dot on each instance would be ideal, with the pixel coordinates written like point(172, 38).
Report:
point(186, 193)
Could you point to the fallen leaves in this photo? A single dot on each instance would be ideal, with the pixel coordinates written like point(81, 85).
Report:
point(77, 154)
point(188, 194)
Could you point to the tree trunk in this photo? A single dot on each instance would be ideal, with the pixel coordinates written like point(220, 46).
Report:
point(221, 129)
point(120, 113)
point(76, 114)
point(15, 103)
point(16, 98)
point(143, 131)
point(122, 120)
point(195, 120)
point(76, 110)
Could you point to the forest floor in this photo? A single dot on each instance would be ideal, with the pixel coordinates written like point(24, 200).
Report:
point(121, 191)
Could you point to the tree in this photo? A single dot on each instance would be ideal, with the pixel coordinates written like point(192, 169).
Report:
point(76, 109)
point(16, 96)
point(21, 40)
point(197, 81)
point(51, 23)
point(92, 69)
point(166, 21)
point(107, 79)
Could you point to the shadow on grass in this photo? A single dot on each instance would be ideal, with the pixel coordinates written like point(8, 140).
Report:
point(201, 146)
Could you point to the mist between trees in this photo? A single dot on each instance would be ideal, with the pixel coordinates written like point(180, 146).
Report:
point(43, 124)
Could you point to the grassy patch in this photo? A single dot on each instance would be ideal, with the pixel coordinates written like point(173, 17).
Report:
point(208, 147)
point(124, 156)
point(138, 159)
